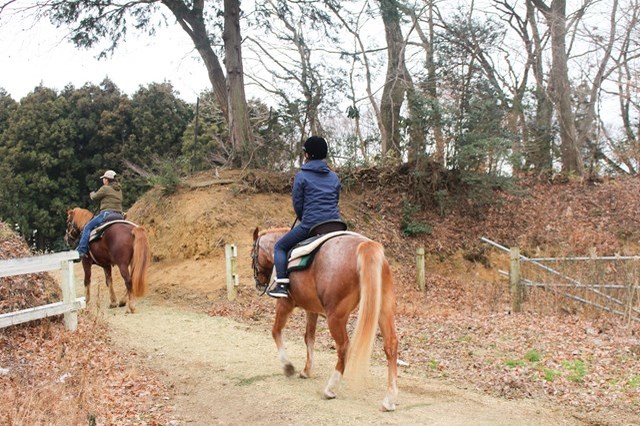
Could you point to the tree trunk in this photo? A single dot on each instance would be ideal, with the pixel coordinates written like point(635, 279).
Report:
point(438, 155)
point(538, 149)
point(394, 85)
point(192, 22)
point(239, 123)
point(560, 86)
point(430, 85)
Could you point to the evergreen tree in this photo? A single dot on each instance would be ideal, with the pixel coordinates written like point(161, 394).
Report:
point(38, 183)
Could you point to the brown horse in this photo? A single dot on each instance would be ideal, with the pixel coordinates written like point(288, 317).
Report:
point(347, 271)
point(123, 244)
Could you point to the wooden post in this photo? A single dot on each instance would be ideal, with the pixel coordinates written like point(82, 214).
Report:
point(231, 252)
point(632, 283)
point(514, 280)
point(420, 267)
point(68, 295)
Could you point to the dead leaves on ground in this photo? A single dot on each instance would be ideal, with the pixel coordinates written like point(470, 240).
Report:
point(52, 376)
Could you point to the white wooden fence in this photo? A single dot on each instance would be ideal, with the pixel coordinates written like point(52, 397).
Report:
point(69, 305)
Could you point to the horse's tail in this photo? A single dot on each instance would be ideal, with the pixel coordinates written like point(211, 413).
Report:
point(140, 261)
point(370, 263)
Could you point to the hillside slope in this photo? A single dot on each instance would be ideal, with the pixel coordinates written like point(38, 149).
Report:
point(192, 226)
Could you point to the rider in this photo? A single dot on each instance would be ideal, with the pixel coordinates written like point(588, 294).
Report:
point(316, 191)
point(110, 197)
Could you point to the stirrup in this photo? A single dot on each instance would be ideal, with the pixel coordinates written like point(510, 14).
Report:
point(281, 288)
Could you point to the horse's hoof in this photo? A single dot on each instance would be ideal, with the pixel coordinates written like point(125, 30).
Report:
point(304, 375)
point(289, 370)
point(113, 305)
point(329, 395)
point(121, 304)
point(388, 405)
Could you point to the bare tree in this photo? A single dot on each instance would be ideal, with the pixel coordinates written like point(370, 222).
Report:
point(560, 85)
point(360, 53)
point(622, 152)
point(430, 85)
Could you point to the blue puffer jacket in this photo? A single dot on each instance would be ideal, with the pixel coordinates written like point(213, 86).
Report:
point(316, 192)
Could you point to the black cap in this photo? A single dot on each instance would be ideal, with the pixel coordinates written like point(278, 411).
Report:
point(316, 147)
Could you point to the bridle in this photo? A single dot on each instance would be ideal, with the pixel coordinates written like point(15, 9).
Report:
point(73, 232)
point(255, 265)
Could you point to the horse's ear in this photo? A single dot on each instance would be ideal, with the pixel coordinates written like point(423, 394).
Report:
point(255, 233)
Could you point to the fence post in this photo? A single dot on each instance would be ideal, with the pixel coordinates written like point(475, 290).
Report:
point(231, 253)
point(514, 280)
point(630, 296)
point(68, 295)
point(420, 267)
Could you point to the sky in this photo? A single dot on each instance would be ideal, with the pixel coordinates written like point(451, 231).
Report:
point(33, 54)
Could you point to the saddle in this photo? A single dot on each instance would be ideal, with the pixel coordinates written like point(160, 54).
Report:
point(108, 221)
point(301, 256)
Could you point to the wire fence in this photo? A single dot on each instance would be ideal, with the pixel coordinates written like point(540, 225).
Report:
point(601, 283)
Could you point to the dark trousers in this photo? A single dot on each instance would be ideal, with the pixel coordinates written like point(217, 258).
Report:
point(282, 247)
point(83, 246)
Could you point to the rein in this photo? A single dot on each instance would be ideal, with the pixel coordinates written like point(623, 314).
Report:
point(73, 232)
point(255, 264)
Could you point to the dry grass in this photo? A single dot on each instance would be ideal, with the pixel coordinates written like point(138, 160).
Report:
point(52, 376)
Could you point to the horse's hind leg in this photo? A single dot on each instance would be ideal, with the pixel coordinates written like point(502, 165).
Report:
point(284, 307)
point(309, 340)
point(338, 328)
point(126, 276)
point(109, 281)
point(390, 340)
point(86, 266)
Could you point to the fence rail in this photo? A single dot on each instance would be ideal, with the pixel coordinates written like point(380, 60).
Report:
point(69, 306)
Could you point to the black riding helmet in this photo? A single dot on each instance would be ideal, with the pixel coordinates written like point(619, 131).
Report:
point(316, 147)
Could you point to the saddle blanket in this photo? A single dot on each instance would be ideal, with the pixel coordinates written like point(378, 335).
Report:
point(300, 256)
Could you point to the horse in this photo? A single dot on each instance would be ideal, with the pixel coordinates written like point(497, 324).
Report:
point(348, 271)
point(123, 244)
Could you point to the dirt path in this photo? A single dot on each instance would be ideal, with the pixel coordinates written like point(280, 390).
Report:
point(226, 372)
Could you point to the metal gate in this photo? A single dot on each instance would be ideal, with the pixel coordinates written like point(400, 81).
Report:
point(607, 283)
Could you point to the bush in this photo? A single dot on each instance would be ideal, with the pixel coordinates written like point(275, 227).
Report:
point(409, 226)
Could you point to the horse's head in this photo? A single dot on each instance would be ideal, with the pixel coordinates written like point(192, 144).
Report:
point(77, 218)
point(261, 259)
point(73, 233)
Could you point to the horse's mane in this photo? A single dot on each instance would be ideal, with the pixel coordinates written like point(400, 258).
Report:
point(81, 216)
point(273, 231)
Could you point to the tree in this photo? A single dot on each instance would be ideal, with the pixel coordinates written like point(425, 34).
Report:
point(158, 121)
point(101, 116)
point(352, 22)
point(206, 149)
point(560, 85)
point(396, 81)
point(299, 74)
point(91, 22)
point(38, 182)
point(7, 106)
point(432, 113)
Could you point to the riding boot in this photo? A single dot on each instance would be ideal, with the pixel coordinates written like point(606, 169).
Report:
point(281, 288)
point(81, 255)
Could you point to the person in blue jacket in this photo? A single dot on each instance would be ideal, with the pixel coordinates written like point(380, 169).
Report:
point(316, 192)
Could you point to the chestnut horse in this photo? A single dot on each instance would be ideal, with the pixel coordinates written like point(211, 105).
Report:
point(347, 271)
point(123, 244)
